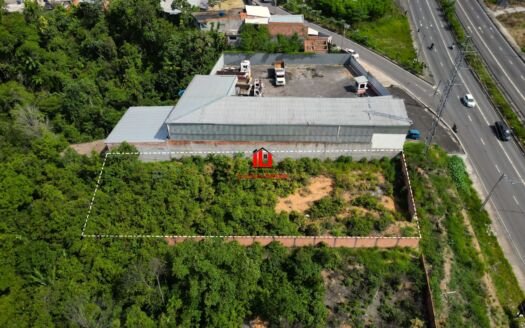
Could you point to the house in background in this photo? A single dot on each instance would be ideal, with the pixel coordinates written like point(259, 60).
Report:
point(228, 22)
point(166, 6)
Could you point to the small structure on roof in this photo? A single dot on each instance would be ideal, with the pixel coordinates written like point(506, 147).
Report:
point(361, 85)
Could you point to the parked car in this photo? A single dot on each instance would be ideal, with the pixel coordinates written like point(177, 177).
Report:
point(502, 130)
point(352, 52)
point(413, 134)
point(468, 100)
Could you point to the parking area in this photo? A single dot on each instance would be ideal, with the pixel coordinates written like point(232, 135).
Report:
point(423, 118)
point(328, 81)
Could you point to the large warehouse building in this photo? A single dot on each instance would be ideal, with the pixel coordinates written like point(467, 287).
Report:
point(211, 117)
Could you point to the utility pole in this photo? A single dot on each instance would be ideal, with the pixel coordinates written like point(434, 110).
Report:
point(492, 190)
point(446, 92)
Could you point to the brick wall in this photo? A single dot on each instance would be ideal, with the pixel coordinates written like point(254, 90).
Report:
point(301, 241)
point(288, 29)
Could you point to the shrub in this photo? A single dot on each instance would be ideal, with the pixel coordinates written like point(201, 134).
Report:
point(326, 207)
point(360, 226)
point(367, 201)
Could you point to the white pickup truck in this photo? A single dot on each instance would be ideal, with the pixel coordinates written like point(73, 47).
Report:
point(280, 72)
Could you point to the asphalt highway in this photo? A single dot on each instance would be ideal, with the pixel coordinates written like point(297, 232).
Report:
point(507, 67)
point(488, 157)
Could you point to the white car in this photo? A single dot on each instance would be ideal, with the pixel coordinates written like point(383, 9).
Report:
point(352, 52)
point(468, 100)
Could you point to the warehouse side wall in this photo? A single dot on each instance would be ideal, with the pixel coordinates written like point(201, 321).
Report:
point(282, 133)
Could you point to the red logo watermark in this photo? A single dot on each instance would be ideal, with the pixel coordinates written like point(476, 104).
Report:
point(262, 159)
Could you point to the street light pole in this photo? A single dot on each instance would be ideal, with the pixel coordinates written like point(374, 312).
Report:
point(492, 190)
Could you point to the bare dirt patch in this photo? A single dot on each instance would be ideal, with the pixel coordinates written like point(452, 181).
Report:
point(388, 203)
point(515, 24)
point(302, 199)
point(87, 147)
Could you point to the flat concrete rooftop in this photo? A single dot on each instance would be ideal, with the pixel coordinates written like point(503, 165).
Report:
point(327, 81)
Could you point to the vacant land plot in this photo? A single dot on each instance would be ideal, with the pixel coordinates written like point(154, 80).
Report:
point(515, 24)
point(211, 196)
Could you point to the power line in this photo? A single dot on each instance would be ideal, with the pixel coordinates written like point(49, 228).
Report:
point(458, 61)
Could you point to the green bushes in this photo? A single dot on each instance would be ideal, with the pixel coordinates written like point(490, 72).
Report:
point(326, 207)
point(367, 201)
point(440, 210)
point(257, 38)
point(458, 174)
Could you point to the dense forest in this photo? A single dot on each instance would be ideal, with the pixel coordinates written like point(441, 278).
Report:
point(67, 76)
point(75, 71)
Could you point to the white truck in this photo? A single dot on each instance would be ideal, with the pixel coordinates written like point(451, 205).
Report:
point(280, 73)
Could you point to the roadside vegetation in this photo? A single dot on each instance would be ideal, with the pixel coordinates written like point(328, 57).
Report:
point(481, 71)
point(379, 25)
point(515, 24)
point(209, 196)
point(463, 279)
point(258, 39)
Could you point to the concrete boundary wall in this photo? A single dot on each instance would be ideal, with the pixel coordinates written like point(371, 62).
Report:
point(286, 241)
point(269, 59)
point(412, 210)
point(357, 69)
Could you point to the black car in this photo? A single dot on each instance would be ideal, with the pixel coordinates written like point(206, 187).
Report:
point(502, 130)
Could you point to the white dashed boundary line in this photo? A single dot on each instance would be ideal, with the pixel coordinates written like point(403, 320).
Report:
point(100, 236)
point(411, 194)
point(94, 194)
point(199, 237)
point(379, 150)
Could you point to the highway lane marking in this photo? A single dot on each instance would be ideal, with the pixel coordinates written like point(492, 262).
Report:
point(470, 118)
point(522, 77)
point(441, 63)
point(497, 168)
point(482, 141)
point(492, 54)
point(498, 215)
point(500, 48)
point(517, 203)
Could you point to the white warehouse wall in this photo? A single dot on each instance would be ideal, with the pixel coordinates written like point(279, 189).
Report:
point(391, 141)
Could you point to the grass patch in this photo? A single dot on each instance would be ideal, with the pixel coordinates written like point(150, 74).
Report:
point(439, 209)
point(388, 35)
point(442, 190)
point(391, 37)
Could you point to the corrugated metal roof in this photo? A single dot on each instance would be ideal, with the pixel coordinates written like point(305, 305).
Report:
point(287, 19)
point(366, 111)
point(203, 90)
point(258, 11)
point(141, 124)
